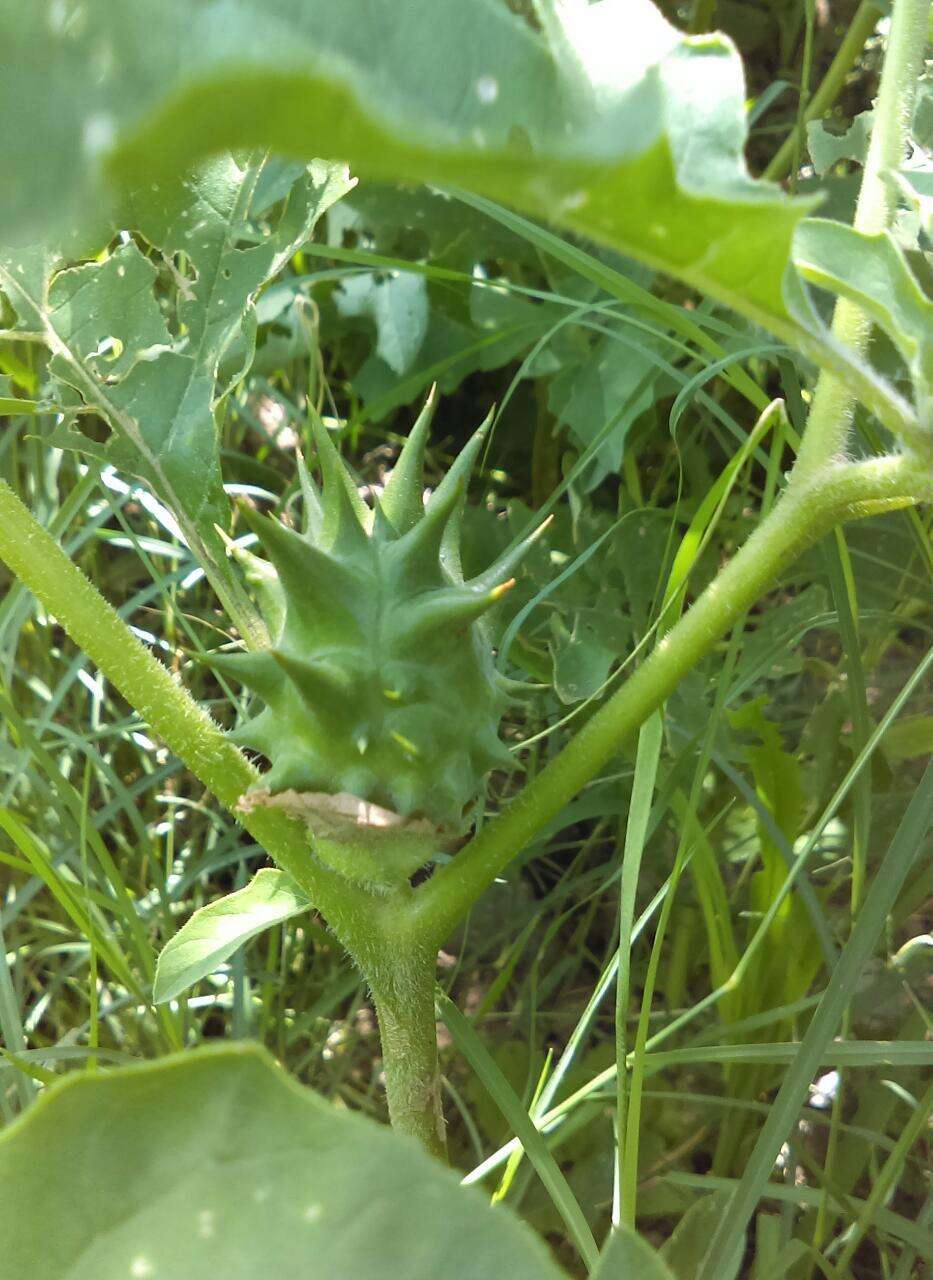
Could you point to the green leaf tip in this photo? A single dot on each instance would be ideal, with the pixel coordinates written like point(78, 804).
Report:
point(401, 501)
point(213, 933)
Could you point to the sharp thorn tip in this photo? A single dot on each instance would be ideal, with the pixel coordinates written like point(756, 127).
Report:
point(498, 592)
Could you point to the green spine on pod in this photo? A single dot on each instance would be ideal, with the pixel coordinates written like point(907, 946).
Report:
point(379, 686)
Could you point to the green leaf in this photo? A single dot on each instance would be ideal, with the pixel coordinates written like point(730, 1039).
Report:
point(216, 931)
point(871, 271)
point(788, 1262)
point(614, 125)
point(611, 386)
point(581, 662)
point(683, 1251)
point(217, 1164)
point(617, 126)
point(628, 1257)
point(909, 738)
point(398, 306)
point(827, 149)
point(915, 185)
point(153, 343)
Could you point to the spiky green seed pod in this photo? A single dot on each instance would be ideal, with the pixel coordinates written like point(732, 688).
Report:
point(379, 683)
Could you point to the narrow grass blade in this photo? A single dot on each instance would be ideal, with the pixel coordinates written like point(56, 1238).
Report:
point(501, 1092)
point(646, 771)
point(11, 1024)
point(879, 900)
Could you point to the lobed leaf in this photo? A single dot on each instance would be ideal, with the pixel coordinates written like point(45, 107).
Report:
point(398, 306)
point(612, 124)
point(827, 149)
point(156, 364)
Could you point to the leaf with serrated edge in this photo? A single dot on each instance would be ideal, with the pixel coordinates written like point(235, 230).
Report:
point(613, 124)
point(624, 129)
point(110, 341)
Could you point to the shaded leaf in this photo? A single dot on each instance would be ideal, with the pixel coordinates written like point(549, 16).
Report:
point(908, 738)
point(871, 271)
point(628, 1257)
point(683, 1251)
point(581, 662)
point(770, 651)
point(398, 306)
point(827, 149)
point(604, 394)
point(216, 931)
point(217, 1164)
point(636, 142)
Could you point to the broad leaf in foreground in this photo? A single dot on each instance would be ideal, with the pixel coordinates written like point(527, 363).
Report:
point(216, 931)
point(612, 123)
point(217, 1164)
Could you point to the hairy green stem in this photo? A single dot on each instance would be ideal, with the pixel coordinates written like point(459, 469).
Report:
point(371, 926)
point(394, 937)
point(804, 514)
point(403, 991)
point(834, 402)
point(164, 704)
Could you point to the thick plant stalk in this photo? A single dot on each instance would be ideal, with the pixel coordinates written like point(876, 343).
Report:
point(822, 492)
point(804, 514)
point(403, 991)
point(833, 405)
point(394, 937)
